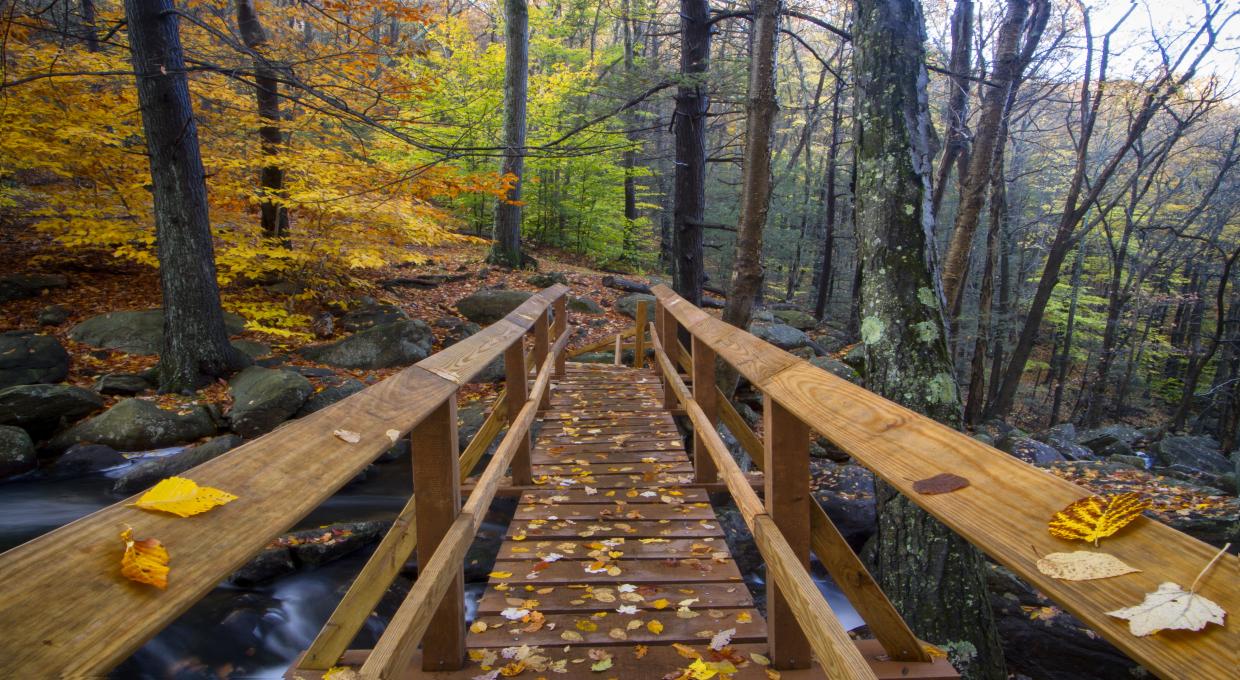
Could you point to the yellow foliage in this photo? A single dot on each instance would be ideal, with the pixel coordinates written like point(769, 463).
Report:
point(183, 497)
point(144, 561)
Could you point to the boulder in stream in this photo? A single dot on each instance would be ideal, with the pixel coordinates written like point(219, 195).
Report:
point(138, 425)
point(43, 409)
point(27, 358)
point(265, 397)
point(147, 473)
point(16, 451)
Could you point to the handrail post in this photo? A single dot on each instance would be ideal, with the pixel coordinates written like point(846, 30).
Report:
point(704, 391)
point(669, 331)
point(639, 337)
point(786, 480)
point(437, 489)
point(517, 386)
point(542, 329)
point(561, 325)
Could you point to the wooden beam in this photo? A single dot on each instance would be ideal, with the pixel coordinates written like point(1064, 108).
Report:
point(704, 392)
point(516, 386)
point(639, 334)
point(786, 465)
point(561, 325)
point(542, 329)
point(437, 489)
point(1005, 508)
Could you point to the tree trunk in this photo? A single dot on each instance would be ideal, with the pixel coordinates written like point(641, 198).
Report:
point(506, 248)
point(756, 175)
point(266, 81)
point(689, 124)
point(629, 159)
point(986, 149)
point(1065, 355)
point(985, 328)
point(934, 577)
point(956, 142)
point(196, 347)
point(828, 241)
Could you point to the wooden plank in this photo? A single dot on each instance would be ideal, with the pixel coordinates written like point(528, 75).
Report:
point(437, 489)
point(674, 629)
point(573, 598)
point(613, 512)
point(71, 576)
point(580, 496)
point(629, 528)
point(542, 457)
point(615, 481)
point(561, 325)
point(660, 549)
point(565, 572)
point(786, 463)
point(738, 427)
point(704, 391)
point(639, 334)
point(516, 395)
point(542, 330)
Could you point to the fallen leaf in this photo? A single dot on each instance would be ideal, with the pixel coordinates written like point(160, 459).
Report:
point(182, 497)
point(744, 617)
point(759, 659)
point(722, 639)
point(144, 561)
point(1170, 607)
point(587, 626)
point(571, 636)
point(654, 626)
point(1095, 517)
point(944, 482)
point(478, 627)
point(600, 666)
point(660, 603)
point(1083, 565)
point(393, 435)
point(640, 651)
point(348, 436)
point(686, 651)
point(500, 574)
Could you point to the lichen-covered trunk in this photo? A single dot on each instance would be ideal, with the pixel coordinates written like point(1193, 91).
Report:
point(274, 214)
point(756, 173)
point(196, 347)
point(689, 125)
point(506, 248)
point(935, 578)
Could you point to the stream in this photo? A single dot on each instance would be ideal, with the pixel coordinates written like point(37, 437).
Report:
point(257, 632)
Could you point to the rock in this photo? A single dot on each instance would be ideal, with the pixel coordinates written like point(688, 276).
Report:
point(134, 332)
point(86, 458)
point(313, 371)
point(21, 286)
point(846, 492)
point(394, 344)
point(265, 397)
point(595, 358)
point(1099, 439)
point(27, 359)
point(1063, 438)
point(1131, 461)
point(492, 372)
point(837, 368)
point(53, 315)
point(320, 546)
point(148, 473)
point(831, 340)
point(43, 409)
point(795, 318)
point(371, 316)
point(1193, 453)
point(762, 316)
point(137, 425)
point(323, 326)
point(127, 384)
point(1031, 451)
point(266, 565)
point(627, 305)
point(16, 451)
point(584, 306)
point(331, 394)
point(709, 302)
point(626, 285)
point(489, 306)
point(457, 329)
point(252, 348)
point(546, 279)
point(780, 335)
point(469, 420)
point(806, 353)
point(1044, 642)
point(422, 281)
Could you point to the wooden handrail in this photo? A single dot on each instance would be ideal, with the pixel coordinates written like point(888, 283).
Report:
point(395, 649)
point(1004, 511)
point(278, 479)
point(835, 652)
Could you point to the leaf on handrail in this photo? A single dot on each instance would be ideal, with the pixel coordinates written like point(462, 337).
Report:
point(183, 497)
point(944, 482)
point(1170, 607)
point(144, 561)
point(1095, 517)
point(1083, 565)
point(348, 436)
point(393, 435)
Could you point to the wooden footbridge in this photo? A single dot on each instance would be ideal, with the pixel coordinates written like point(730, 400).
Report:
point(614, 565)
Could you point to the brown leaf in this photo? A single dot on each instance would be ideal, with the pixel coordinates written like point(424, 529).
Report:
point(944, 482)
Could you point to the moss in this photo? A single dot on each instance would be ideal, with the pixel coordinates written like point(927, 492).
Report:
point(927, 331)
point(872, 329)
point(942, 389)
point(927, 297)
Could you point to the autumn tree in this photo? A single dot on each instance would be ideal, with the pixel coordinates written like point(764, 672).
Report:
point(689, 123)
point(506, 250)
point(196, 345)
point(935, 578)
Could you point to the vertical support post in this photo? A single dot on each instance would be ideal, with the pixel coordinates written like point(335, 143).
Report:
point(561, 325)
point(704, 393)
point(516, 379)
point(618, 352)
point(437, 502)
point(671, 345)
point(542, 327)
point(786, 467)
point(639, 338)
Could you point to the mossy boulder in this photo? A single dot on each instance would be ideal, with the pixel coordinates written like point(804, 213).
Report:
point(627, 305)
point(27, 358)
point(265, 397)
point(43, 409)
point(795, 318)
point(546, 279)
point(386, 346)
point(584, 306)
point(138, 425)
point(16, 451)
point(134, 332)
point(148, 473)
point(489, 306)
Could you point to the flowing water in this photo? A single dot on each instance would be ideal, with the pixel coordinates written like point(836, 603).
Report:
point(257, 632)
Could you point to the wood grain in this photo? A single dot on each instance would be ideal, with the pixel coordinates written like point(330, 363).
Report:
point(639, 334)
point(786, 464)
point(704, 392)
point(516, 387)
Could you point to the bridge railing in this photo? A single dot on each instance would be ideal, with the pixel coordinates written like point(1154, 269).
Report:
point(66, 611)
point(1004, 511)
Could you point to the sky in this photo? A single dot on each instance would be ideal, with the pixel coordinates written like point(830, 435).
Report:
point(1165, 18)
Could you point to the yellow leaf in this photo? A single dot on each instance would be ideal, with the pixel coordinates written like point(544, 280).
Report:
point(571, 636)
point(500, 574)
point(478, 627)
point(744, 617)
point(640, 651)
point(144, 561)
point(759, 659)
point(1090, 519)
point(1083, 565)
point(600, 666)
point(660, 603)
point(587, 626)
point(182, 497)
point(654, 626)
point(686, 651)
point(340, 673)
